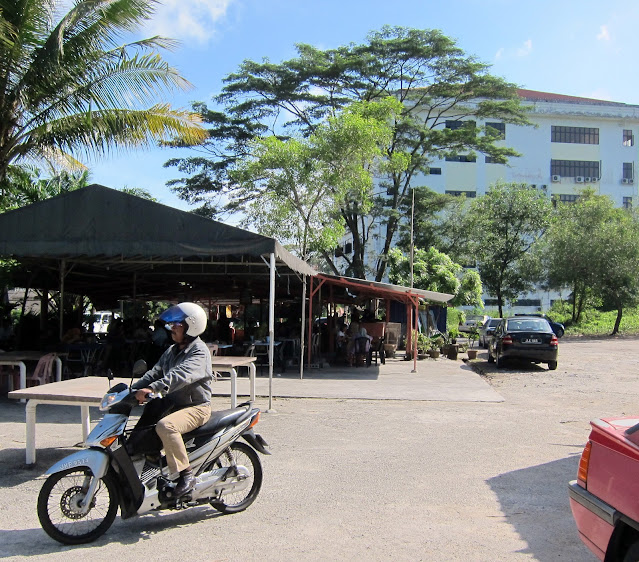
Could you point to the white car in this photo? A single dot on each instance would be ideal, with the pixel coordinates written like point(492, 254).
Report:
point(473, 322)
point(487, 330)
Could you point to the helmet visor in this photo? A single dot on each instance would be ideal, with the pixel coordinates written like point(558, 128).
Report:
point(173, 314)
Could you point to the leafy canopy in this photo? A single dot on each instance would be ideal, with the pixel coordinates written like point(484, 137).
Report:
point(505, 225)
point(69, 86)
point(433, 79)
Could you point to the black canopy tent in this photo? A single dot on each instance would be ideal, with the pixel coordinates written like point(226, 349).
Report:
point(106, 239)
point(109, 245)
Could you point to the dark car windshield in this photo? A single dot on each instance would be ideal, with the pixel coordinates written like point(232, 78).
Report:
point(528, 325)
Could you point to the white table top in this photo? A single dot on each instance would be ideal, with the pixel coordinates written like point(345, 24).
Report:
point(83, 389)
point(231, 361)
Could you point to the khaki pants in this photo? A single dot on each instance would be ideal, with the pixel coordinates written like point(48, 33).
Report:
point(171, 428)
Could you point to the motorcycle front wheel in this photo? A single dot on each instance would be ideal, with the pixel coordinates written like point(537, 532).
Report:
point(59, 506)
point(238, 454)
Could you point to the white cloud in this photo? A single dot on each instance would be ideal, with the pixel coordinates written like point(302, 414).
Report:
point(525, 49)
point(604, 33)
point(515, 52)
point(188, 20)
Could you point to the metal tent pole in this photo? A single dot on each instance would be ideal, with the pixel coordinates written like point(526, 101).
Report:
point(271, 330)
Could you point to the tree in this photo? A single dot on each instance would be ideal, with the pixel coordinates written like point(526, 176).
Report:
point(593, 248)
point(432, 77)
point(68, 88)
point(29, 186)
point(302, 183)
point(619, 282)
point(435, 271)
point(504, 226)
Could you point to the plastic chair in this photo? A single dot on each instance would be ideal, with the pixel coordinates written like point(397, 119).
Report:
point(361, 350)
point(377, 352)
point(212, 348)
point(43, 373)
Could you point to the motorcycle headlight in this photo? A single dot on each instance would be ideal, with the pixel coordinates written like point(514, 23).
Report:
point(107, 400)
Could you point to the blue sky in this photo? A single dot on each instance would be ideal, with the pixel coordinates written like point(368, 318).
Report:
point(583, 48)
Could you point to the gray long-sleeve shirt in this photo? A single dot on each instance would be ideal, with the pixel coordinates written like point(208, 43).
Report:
point(184, 374)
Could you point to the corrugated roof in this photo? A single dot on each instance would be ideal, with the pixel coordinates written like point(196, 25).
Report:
point(534, 95)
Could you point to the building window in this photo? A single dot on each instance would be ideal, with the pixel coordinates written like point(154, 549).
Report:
point(528, 302)
point(435, 171)
point(458, 124)
point(470, 194)
point(580, 135)
point(491, 160)
point(348, 248)
point(628, 171)
point(628, 137)
point(461, 158)
point(574, 168)
point(499, 128)
point(564, 198)
point(627, 202)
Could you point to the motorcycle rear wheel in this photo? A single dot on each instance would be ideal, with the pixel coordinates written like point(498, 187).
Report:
point(239, 454)
point(58, 511)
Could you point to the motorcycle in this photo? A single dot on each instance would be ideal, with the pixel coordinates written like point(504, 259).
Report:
point(124, 468)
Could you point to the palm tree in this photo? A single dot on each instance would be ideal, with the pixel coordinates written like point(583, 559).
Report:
point(69, 86)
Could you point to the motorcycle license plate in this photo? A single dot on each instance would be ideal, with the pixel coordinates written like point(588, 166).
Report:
point(531, 340)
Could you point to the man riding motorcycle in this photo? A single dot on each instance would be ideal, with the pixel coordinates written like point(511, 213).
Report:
point(183, 375)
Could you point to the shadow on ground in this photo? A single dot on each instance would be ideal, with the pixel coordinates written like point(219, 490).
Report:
point(540, 494)
point(34, 543)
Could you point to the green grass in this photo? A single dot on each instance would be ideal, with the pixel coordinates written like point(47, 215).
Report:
point(598, 323)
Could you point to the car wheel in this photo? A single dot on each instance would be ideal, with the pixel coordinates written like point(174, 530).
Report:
point(552, 365)
point(491, 359)
point(499, 361)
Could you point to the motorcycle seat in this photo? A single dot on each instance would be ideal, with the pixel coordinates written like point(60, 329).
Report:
point(217, 421)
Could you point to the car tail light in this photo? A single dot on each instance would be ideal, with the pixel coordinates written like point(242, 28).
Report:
point(507, 340)
point(554, 340)
point(582, 473)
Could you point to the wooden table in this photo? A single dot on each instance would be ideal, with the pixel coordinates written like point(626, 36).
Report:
point(83, 392)
point(229, 364)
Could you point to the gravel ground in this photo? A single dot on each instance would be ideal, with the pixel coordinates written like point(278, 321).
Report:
point(373, 479)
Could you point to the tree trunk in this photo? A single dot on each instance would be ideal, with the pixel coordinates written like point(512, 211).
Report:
point(615, 330)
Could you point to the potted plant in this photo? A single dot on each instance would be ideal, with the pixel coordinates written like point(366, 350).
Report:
point(423, 345)
point(436, 343)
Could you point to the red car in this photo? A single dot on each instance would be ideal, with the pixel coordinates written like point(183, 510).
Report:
point(605, 497)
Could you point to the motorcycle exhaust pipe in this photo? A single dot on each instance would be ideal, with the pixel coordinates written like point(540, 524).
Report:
point(213, 481)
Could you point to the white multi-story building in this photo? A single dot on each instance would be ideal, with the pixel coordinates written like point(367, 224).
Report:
point(576, 142)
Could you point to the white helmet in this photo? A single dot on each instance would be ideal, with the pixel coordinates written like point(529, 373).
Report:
point(191, 314)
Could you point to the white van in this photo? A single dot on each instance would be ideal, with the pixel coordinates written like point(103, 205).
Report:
point(101, 321)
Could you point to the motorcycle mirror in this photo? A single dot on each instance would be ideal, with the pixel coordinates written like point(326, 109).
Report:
point(110, 374)
point(139, 367)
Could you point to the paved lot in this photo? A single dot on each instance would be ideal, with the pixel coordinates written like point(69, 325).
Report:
point(408, 478)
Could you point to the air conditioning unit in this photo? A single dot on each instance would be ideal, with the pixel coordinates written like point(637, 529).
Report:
point(579, 179)
point(626, 180)
point(587, 179)
point(533, 186)
point(630, 180)
point(556, 178)
point(594, 179)
point(543, 186)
